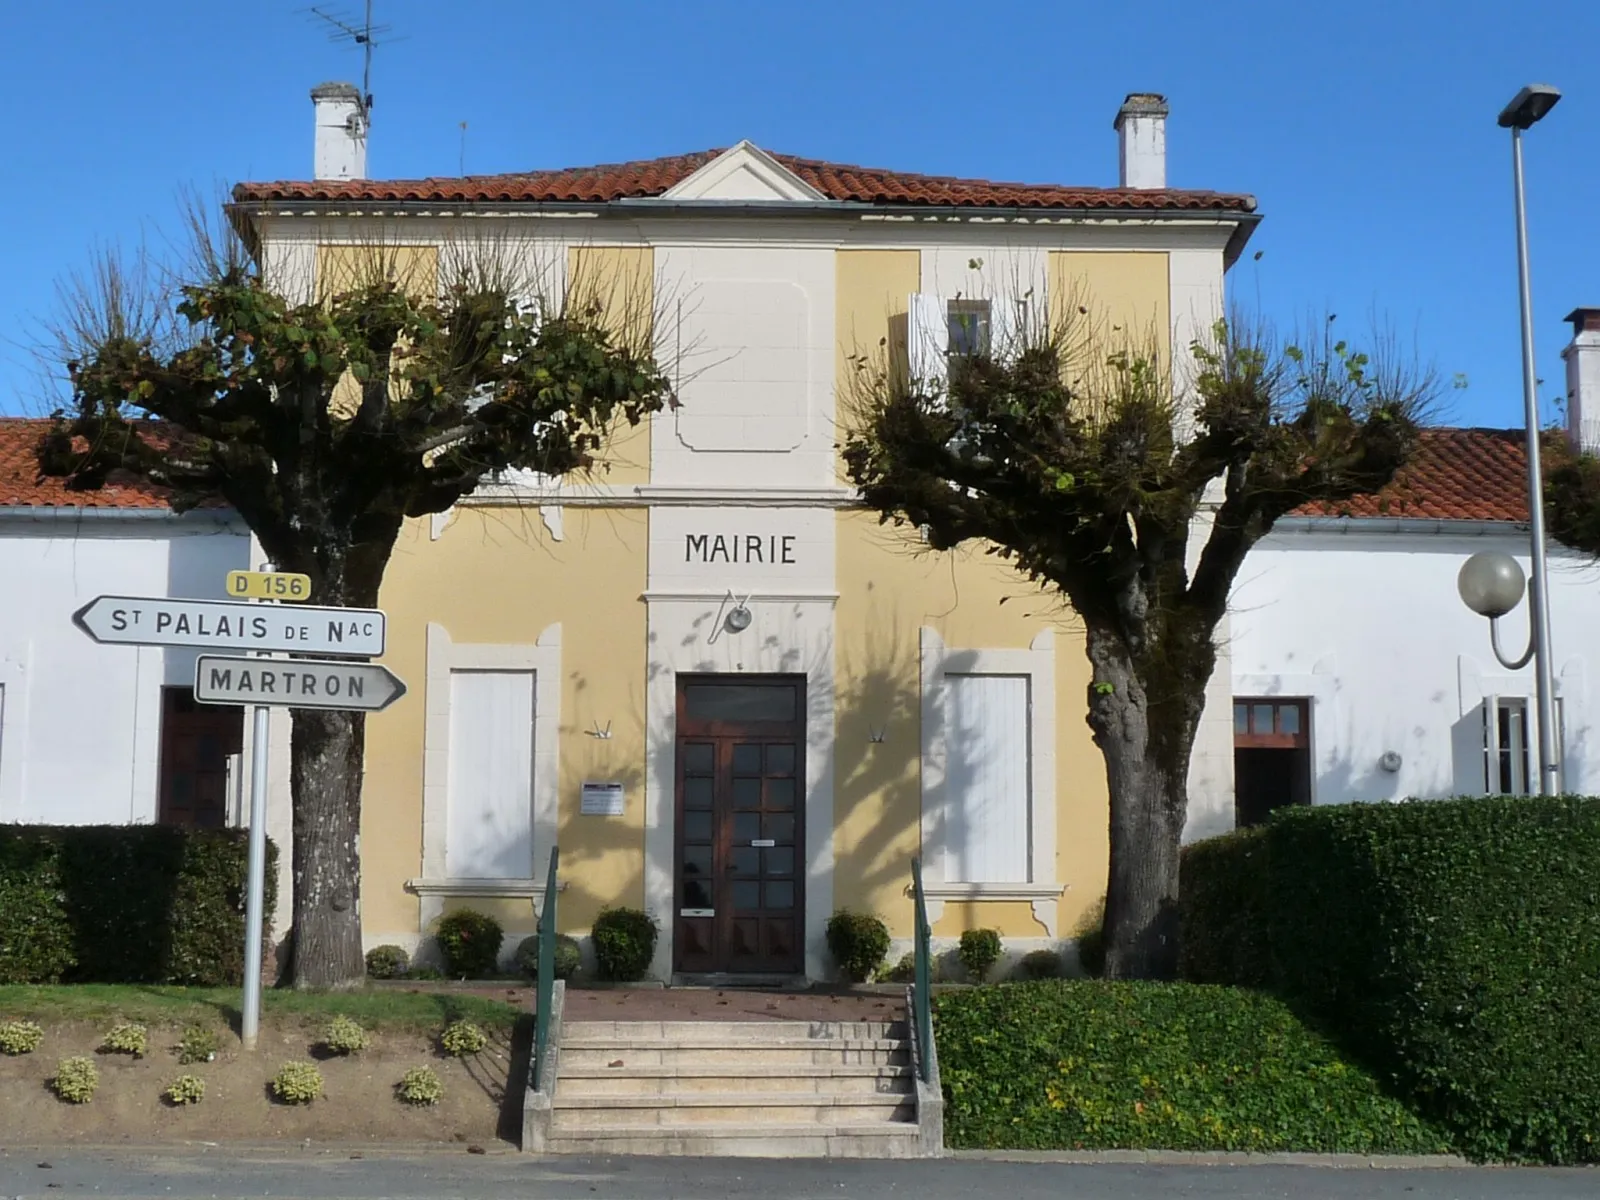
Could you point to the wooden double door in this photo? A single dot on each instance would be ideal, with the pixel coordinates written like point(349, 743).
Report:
point(739, 898)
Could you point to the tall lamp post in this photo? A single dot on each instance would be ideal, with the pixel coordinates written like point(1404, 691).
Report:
point(1491, 584)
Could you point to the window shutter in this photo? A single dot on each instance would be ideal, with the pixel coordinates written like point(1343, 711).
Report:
point(1006, 327)
point(928, 338)
point(1491, 745)
point(489, 830)
point(987, 782)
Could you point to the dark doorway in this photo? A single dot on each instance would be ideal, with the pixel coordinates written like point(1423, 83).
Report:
point(1271, 757)
point(197, 741)
point(739, 898)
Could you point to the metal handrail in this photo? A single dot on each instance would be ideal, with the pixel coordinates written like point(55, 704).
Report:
point(923, 974)
point(547, 969)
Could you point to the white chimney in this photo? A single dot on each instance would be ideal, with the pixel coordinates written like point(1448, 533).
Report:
point(341, 147)
point(1141, 127)
point(1583, 380)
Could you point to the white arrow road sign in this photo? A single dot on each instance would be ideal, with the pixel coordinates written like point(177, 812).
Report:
point(295, 683)
point(227, 625)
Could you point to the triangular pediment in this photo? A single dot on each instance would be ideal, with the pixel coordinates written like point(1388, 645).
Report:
point(744, 173)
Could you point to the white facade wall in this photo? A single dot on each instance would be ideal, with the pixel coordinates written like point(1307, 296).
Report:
point(80, 723)
point(1368, 626)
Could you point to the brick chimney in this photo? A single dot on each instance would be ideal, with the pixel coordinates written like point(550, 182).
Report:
point(1583, 380)
point(1141, 127)
point(341, 143)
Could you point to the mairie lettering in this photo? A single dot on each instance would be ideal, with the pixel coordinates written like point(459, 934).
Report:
point(774, 548)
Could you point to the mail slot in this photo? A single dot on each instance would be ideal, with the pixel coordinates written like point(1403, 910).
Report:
point(764, 842)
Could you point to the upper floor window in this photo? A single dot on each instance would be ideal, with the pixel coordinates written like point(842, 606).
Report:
point(1509, 730)
point(968, 323)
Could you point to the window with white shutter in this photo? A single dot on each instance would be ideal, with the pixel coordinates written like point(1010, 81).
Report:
point(489, 832)
point(987, 785)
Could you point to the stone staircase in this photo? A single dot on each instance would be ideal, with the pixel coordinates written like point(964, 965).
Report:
point(785, 1089)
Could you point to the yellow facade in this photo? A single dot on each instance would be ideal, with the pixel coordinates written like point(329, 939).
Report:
point(506, 575)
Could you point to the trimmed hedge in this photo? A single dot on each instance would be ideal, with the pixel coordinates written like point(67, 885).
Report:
point(124, 904)
point(1072, 1064)
point(1452, 945)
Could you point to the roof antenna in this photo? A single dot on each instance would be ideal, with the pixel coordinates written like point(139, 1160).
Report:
point(362, 32)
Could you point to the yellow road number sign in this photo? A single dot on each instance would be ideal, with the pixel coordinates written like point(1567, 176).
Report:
point(268, 585)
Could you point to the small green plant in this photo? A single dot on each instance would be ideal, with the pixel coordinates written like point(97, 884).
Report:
point(197, 1045)
point(127, 1038)
point(624, 943)
point(568, 956)
point(859, 942)
point(345, 1036)
point(387, 962)
point(186, 1089)
point(424, 974)
point(1092, 941)
point(1041, 964)
point(76, 1078)
point(979, 951)
point(20, 1037)
point(297, 1083)
point(462, 1038)
point(421, 1085)
point(470, 942)
point(904, 971)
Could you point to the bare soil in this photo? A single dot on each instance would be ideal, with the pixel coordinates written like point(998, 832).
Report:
point(358, 1104)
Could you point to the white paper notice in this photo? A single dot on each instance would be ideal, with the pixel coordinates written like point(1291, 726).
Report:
point(602, 800)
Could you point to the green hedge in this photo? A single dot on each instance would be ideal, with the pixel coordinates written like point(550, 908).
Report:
point(124, 904)
point(1453, 946)
point(1106, 1066)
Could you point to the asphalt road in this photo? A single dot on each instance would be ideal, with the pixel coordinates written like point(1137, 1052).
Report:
point(452, 1172)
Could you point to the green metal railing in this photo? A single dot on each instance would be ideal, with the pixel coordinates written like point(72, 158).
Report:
point(547, 969)
point(922, 1013)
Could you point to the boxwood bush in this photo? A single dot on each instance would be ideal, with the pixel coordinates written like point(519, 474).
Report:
point(1075, 1064)
point(1453, 946)
point(124, 904)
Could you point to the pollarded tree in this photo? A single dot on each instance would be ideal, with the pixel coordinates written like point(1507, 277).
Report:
point(1071, 457)
point(325, 418)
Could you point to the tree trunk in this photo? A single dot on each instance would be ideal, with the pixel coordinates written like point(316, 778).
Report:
point(325, 779)
point(1146, 748)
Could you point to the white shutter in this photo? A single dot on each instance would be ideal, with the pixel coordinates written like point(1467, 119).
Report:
point(928, 338)
point(489, 831)
point(1491, 745)
point(986, 835)
point(1005, 328)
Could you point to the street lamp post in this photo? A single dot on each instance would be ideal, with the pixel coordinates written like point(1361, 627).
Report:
point(1491, 584)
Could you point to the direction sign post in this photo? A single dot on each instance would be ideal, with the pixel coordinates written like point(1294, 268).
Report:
point(295, 683)
point(230, 625)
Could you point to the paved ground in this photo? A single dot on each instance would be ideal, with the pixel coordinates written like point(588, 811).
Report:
point(319, 1173)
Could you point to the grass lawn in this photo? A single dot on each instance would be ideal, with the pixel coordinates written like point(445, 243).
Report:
point(376, 1008)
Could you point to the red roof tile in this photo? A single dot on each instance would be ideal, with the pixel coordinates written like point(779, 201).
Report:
point(21, 486)
point(1456, 475)
point(652, 177)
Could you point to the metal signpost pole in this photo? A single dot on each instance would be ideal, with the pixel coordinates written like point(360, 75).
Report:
point(255, 897)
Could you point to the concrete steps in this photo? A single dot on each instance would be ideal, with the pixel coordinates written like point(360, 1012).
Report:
point(754, 1088)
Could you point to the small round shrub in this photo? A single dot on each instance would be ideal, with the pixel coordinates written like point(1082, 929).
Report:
point(387, 962)
point(197, 1045)
point(20, 1037)
point(127, 1038)
point(1041, 964)
point(420, 1085)
point(859, 942)
point(470, 942)
point(76, 1078)
point(568, 956)
point(345, 1036)
point(904, 971)
point(624, 943)
point(1091, 937)
point(462, 1038)
point(186, 1089)
point(979, 950)
point(297, 1083)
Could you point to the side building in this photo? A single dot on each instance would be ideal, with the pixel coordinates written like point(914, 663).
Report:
point(732, 697)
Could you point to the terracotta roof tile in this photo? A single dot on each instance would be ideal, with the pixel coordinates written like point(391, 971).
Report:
point(652, 177)
point(1456, 475)
point(21, 486)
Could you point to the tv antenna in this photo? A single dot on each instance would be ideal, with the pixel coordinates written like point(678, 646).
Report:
point(359, 31)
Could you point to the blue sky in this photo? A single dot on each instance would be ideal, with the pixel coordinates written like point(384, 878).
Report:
point(1366, 130)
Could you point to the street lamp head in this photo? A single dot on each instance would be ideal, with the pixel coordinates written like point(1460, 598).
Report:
point(1491, 584)
point(1529, 105)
